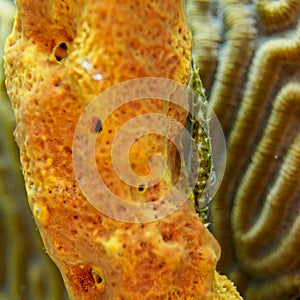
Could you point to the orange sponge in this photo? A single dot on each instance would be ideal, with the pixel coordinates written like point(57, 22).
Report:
point(61, 55)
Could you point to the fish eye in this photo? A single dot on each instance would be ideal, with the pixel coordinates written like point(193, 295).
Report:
point(213, 178)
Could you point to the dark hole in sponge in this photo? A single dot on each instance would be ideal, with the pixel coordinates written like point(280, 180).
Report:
point(98, 126)
point(142, 188)
point(61, 51)
point(97, 277)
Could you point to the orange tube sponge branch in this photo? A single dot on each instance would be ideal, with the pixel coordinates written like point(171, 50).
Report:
point(60, 56)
